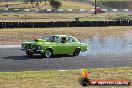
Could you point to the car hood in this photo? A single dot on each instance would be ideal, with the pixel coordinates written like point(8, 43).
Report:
point(36, 41)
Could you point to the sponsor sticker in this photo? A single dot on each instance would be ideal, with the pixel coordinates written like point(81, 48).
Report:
point(86, 81)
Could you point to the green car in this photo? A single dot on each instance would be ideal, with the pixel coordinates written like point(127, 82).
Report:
point(54, 44)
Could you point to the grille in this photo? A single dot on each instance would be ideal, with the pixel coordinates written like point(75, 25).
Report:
point(34, 46)
point(28, 46)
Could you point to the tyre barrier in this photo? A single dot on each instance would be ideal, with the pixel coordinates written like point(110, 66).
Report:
point(65, 24)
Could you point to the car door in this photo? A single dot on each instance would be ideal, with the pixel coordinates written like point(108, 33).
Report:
point(70, 45)
point(63, 45)
point(60, 46)
point(57, 47)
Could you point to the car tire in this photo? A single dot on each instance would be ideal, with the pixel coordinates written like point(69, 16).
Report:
point(76, 52)
point(48, 53)
point(29, 53)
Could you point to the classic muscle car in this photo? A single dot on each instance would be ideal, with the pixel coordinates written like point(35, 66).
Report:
point(54, 44)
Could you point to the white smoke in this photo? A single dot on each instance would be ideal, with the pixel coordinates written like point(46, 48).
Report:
point(109, 45)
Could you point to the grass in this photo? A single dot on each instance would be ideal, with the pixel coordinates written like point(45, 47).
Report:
point(61, 79)
point(111, 0)
point(76, 5)
point(33, 17)
point(16, 36)
point(66, 4)
point(115, 4)
point(40, 17)
point(107, 16)
point(125, 17)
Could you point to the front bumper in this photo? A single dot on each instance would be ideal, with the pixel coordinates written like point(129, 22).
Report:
point(35, 51)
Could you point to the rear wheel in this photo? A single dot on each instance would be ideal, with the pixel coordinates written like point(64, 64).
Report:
point(48, 53)
point(76, 52)
point(29, 53)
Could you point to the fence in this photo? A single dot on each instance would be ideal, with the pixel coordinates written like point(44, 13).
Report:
point(65, 24)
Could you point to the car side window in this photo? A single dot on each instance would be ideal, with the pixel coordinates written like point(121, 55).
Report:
point(70, 40)
point(57, 39)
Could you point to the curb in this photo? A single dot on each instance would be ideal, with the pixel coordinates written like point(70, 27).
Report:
point(10, 46)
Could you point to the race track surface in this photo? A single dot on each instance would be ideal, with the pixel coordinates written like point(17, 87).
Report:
point(13, 59)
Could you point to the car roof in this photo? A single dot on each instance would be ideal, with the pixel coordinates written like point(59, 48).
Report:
point(60, 35)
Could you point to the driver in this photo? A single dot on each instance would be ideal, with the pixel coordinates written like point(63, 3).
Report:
point(63, 40)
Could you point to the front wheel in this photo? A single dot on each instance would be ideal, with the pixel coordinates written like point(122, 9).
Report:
point(29, 53)
point(76, 52)
point(48, 53)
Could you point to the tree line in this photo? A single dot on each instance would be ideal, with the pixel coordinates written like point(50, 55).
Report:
point(55, 4)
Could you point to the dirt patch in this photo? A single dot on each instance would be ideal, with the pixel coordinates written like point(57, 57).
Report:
point(4, 5)
point(16, 36)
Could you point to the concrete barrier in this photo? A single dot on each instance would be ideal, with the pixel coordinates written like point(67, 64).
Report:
point(49, 10)
point(82, 10)
point(114, 10)
point(12, 10)
point(69, 10)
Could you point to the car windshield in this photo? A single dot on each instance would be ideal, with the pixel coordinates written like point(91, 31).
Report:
point(51, 38)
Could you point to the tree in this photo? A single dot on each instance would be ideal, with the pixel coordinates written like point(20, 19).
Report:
point(37, 3)
point(56, 4)
point(6, 3)
point(31, 1)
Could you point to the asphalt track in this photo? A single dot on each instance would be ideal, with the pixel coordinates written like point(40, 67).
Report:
point(13, 59)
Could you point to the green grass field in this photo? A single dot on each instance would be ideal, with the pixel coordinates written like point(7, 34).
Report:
point(61, 79)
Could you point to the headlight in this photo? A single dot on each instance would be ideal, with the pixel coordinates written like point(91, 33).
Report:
point(39, 47)
point(23, 46)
